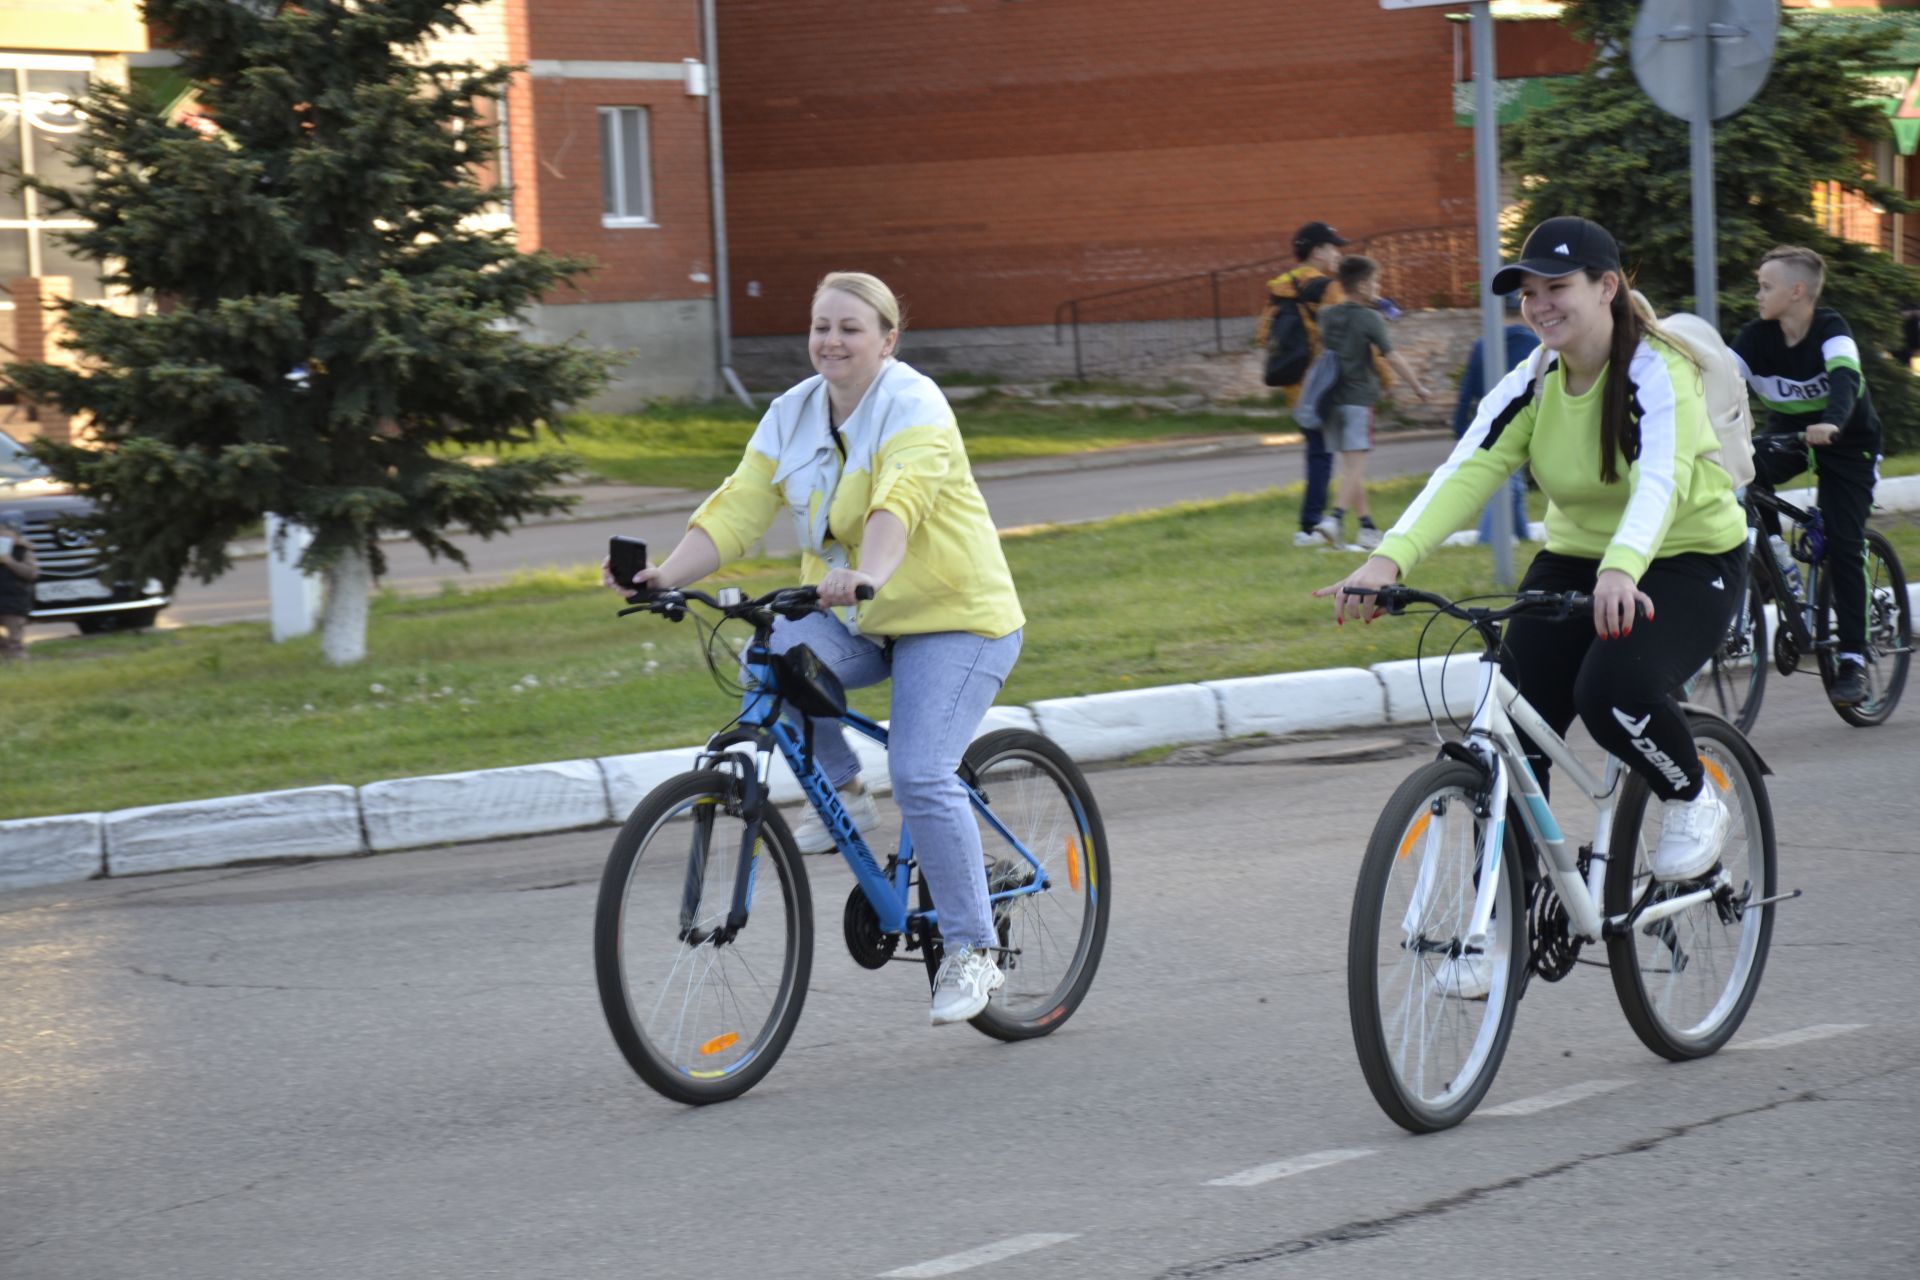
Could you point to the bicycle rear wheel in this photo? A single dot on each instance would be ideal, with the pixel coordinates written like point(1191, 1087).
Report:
point(1053, 937)
point(1889, 634)
point(1686, 982)
point(1735, 679)
point(1428, 1054)
point(701, 1011)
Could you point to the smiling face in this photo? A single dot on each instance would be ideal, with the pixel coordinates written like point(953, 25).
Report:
point(848, 343)
point(1779, 287)
point(1570, 311)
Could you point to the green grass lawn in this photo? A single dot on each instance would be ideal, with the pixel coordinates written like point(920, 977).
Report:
point(542, 670)
point(697, 446)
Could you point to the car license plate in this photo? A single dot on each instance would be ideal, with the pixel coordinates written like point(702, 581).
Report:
point(75, 589)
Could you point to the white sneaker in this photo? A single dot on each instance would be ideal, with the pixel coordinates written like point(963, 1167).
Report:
point(812, 836)
point(961, 987)
point(1467, 977)
point(1308, 538)
point(1329, 528)
point(1369, 537)
point(1691, 833)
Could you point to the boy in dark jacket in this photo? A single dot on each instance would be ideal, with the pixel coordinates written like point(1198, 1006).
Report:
point(1800, 359)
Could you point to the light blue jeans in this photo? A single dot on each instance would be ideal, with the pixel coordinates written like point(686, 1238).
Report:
point(943, 684)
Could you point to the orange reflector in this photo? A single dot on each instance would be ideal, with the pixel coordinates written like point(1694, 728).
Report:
point(1073, 863)
point(1414, 832)
point(1715, 772)
point(719, 1044)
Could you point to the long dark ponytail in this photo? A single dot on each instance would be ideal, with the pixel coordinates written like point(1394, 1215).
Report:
point(1619, 428)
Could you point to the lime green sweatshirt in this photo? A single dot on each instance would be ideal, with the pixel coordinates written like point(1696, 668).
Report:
point(1669, 501)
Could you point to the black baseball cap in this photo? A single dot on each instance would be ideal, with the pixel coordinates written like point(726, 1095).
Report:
point(1312, 236)
point(1560, 247)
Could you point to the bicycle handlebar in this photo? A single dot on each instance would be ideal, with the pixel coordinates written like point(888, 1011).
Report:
point(1562, 604)
point(791, 603)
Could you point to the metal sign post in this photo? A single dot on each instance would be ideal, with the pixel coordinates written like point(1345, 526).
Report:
point(1703, 60)
point(1486, 199)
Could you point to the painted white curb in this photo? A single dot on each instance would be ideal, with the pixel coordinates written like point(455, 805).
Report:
point(311, 822)
point(1334, 698)
point(1105, 726)
point(486, 804)
point(1406, 704)
point(630, 778)
point(54, 850)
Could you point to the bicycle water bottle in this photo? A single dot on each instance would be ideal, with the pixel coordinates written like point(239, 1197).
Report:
point(1784, 558)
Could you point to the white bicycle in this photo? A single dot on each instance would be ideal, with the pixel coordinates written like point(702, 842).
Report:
point(1469, 888)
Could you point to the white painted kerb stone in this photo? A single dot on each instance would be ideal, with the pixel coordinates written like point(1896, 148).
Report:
point(484, 805)
point(1405, 703)
point(1104, 726)
point(312, 822)
point(56, 850)
point(1337, 698)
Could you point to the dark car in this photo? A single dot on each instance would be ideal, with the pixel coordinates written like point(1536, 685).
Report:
point(72, 587)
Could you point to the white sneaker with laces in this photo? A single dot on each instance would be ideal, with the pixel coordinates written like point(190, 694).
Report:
point(961, 986)
point(1329, 528)
point(1467, 977)
point(1369, 537)
point(1691, 833)
point(1308, 538)
point(812, 836)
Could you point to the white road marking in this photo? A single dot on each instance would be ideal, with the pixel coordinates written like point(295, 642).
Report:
point(1801, 1036)
point(1558, 1098)
point(954, 1263)
point(1287, 1168)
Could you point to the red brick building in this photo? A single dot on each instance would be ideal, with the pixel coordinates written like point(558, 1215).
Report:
point(995, 158)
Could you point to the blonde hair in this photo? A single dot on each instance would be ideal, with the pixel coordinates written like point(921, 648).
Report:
point(1810, 266)
point(871, 290)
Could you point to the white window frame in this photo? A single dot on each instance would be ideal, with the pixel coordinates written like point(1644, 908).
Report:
point(12, 64)
point(614, 171)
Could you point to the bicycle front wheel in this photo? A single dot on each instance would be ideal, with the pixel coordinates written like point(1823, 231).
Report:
point(701, 1003)
point(1685, 982)
point(1052, 937)
point(1735, 679)
point(1889, 634)
point(1430, 1017)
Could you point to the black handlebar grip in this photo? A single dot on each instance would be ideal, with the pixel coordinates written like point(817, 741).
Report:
point(863, 592)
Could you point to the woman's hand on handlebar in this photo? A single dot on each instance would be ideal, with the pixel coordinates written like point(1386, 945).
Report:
point(1614, 599)
point(1377, 572)
point(841, 585)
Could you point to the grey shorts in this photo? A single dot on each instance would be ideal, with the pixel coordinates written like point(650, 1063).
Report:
point(1349, 428)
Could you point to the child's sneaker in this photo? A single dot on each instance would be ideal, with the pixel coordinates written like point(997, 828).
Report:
point(1369, 537)
point(1309, 538)
point(1329, 528)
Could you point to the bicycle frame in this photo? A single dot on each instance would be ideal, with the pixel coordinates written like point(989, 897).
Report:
point(763, 725)
point(1794, 609)
point(1500, 715)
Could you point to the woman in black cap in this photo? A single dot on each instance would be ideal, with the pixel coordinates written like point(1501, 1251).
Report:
point(1610, 413)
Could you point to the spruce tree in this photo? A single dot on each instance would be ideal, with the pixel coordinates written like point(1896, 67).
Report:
point(331, 324)
point(1605, 151)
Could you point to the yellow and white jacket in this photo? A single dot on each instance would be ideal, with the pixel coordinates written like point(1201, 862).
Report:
point(903, 455)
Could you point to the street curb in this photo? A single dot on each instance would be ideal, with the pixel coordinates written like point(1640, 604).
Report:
point(493, 804)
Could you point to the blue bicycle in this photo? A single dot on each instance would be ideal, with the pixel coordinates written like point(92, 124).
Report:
point(703, 941)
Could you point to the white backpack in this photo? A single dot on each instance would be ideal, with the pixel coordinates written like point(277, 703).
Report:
point(1727, 404)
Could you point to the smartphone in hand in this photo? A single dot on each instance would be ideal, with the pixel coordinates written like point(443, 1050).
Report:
point(626, 557)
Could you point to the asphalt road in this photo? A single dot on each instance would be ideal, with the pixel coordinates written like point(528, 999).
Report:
point(1018, 494)
point(396, 1067)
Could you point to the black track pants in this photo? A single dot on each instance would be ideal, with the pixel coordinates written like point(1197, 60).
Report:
point(1623, 689)
point(1845, 497)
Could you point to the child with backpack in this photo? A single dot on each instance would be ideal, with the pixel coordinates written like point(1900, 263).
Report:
point(1354, 331)
point(1290, 337)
